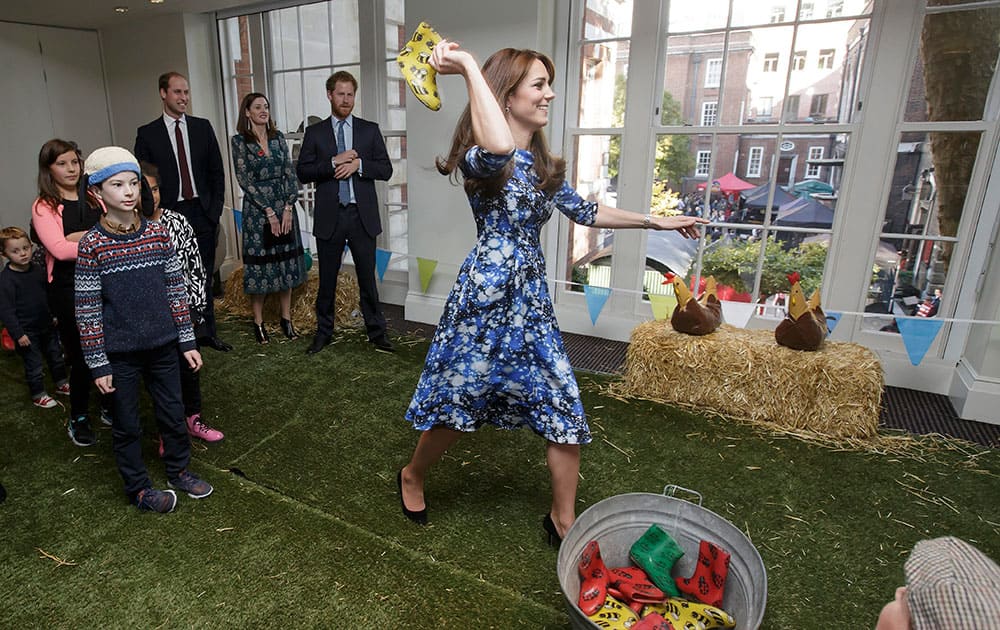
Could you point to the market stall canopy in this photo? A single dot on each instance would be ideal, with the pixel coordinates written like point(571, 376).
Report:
point(804, 212)
point(812, 187)
point(757, 197)
point(728, 184)
point(885, 256)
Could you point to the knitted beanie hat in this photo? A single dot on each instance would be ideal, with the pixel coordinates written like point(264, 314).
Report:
point(108, 161)
point(951, 584)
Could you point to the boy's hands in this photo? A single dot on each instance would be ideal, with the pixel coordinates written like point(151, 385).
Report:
point(104, 384)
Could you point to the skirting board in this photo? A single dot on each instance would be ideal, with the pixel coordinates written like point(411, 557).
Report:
point(974, 398)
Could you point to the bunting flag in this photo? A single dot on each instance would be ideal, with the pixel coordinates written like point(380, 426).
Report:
point(426, 267)
point(661, 305)
point(918, 335)
point(737, 313)
point(382, 257)
point(596, 298)
point(238, 219)
point(832, 319)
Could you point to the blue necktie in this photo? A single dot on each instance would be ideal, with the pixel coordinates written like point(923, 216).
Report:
point(345, 185)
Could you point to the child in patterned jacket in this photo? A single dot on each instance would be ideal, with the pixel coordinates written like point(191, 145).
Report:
point(133, 315)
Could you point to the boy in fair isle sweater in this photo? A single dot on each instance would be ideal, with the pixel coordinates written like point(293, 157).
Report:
point(132, 315)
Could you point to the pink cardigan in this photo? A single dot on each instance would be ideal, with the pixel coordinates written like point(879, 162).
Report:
point(48, 225)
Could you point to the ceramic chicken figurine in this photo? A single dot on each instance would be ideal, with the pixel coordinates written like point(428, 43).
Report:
point(804, 328)
point(695, 316)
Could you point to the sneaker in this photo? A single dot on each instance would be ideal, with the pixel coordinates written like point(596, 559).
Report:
point(45, 402)
point(187, 482)
point(80, 432)
point(197, 428)
point(153, 500)
point(106, 417)
point(63, 390)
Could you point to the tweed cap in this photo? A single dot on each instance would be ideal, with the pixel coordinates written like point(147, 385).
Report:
point(108, 161)
point(951, 585)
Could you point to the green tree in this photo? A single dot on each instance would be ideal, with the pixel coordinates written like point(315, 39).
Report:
point(736, 265)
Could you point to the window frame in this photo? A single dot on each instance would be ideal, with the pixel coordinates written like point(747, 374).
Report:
point(752, 161)
point(814, 171)
point(713, 78)
point(709, 110)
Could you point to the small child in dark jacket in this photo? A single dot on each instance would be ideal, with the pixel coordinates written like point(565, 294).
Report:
point(133, 318)
point(24, 310)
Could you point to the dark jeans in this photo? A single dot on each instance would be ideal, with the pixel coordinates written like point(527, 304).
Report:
point(349, 231)
point(190, 386)
point(62, 306)
point(44, 348)
point(158, 368)
point(206, 232)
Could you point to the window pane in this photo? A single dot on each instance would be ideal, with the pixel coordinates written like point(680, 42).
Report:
point(315, 88)
point(286, 102)
point(396, 93)
point(753, 12)
point(285, 38)
point(731, 256)
point(595, 178)
point(346, 49)
point(603, 69)
point(827, 76)
point(764, 75)
point(396, 200)
point(697, 16)
point(607, 18)
point(315, 34)
point(786, 253)
point(958, 53)
point(693, 77)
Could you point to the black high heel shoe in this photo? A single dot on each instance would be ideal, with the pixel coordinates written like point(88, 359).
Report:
point(417, 516)
point(261, 333)
point(552, 534)
point(288, 329)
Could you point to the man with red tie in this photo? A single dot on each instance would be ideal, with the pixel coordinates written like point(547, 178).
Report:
point(192, 179)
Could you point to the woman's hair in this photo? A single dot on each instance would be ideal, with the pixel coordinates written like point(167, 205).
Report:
point(243, 126)
point(150, 170)
point(504, 71)
point(48, 191)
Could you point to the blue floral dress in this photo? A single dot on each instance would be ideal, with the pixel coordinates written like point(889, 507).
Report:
point(268, 181)
point(497, 356)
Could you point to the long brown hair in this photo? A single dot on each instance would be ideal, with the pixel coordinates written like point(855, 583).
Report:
point(243, 126)
point(48, 191)
point(504, 71)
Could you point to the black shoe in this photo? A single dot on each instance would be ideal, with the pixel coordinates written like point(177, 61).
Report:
point(260, 333)
point(417, 516)
point(552, 534)
point(79, 431)
point(3, 493)
point(381, 343)
point(288, 329)
point(215, 343)
point(318, 343)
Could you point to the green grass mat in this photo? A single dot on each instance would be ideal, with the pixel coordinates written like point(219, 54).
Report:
point(313, 536)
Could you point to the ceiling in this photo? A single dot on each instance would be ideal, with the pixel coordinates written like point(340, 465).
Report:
point(97, 14)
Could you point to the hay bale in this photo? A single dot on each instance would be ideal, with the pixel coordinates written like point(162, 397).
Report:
point(834, 392)
point(236, 302)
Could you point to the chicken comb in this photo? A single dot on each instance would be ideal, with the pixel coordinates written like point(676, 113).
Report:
point(794, 277)
point(669, 278)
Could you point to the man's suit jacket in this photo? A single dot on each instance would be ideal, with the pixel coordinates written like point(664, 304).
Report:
point(315, 166)
point(152, 144)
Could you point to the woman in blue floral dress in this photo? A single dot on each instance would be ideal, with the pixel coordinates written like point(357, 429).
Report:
point(497, 356)
point(273, 259)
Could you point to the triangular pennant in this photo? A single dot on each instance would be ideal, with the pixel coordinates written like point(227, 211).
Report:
point(426, 267)
point(238, 219)
point(596, 298)
point(661, 305)
point(832, 319)
point(918, 335)
point(382, 257)
point(737, 313)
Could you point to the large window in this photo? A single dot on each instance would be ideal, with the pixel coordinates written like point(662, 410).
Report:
point(288, 54)
point(709, 113)
point(713, 73)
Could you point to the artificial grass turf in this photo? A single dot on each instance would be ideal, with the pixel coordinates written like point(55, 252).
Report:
point(316, 536)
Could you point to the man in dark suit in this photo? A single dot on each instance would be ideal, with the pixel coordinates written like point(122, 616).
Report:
point(192, 179)
point(344, 155)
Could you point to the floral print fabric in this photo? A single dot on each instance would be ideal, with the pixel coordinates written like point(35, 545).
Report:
point(497, 356)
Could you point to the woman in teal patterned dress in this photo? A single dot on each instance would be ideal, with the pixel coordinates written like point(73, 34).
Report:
point(273, 260)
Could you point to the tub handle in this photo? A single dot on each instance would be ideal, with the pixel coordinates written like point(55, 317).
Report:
point(670, 490)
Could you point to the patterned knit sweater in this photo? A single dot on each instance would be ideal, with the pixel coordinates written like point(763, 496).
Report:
point(129, 294)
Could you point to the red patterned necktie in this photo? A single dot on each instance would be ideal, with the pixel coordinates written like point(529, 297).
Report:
point(187, 192)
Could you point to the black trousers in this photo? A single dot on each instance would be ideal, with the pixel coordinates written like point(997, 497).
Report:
point(44, 348)
point(159, 369)
point(349, 231)
point(206, 233)
point(61, 303)
point(190, 386)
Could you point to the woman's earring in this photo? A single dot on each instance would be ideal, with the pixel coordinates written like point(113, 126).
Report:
point(506, 109)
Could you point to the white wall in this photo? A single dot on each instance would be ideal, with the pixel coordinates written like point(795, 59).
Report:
point(440, 221)
point(53, 87)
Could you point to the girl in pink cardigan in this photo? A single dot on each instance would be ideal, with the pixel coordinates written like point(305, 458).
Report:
point(60, 217)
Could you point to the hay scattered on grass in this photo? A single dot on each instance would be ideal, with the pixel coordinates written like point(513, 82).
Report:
point(236, 302)
point(834, 392)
